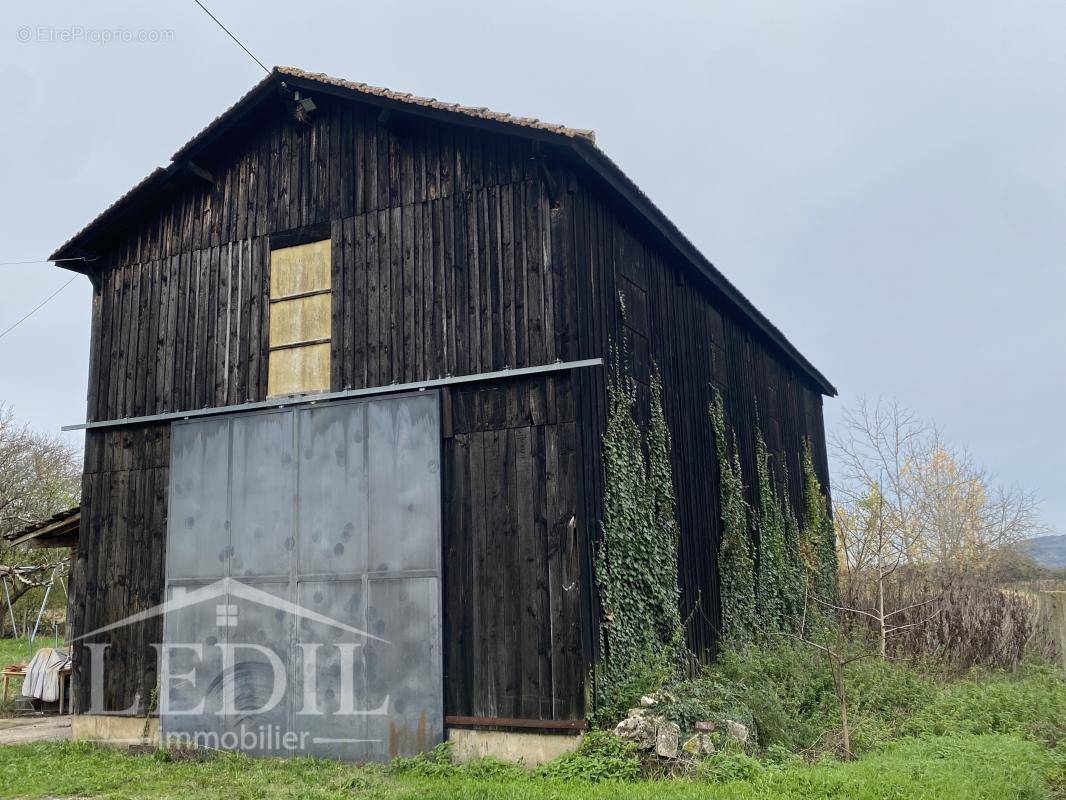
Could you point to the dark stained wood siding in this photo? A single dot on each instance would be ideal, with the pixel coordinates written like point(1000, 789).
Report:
point(119, 562)
point(637, 296)
point(513, 636)
point(441, 261)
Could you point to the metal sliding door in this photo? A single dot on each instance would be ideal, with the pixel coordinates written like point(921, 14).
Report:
point(303, 580)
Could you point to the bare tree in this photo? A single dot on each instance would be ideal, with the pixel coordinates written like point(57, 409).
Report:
point(907, 496)
point(40, 475)
point(914, 517)
point(872, 554)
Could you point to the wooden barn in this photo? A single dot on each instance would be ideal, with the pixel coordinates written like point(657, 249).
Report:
point(349, 351)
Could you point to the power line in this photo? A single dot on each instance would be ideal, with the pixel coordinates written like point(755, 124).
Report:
point(234, 38)
point(44, 261)
point(38, 307)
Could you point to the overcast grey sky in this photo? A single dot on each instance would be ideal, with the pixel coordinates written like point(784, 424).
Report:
point(885, 180)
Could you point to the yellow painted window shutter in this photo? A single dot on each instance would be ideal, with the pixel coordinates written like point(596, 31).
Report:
point(300, 304)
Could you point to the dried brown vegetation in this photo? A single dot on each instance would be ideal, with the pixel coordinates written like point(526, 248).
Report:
point(961, 620)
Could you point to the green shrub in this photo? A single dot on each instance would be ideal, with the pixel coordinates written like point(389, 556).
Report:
point(646, 676)
point(728, 766)
point(436, 762)
point(1030, 703)
point(783, 692)
point(601, 756)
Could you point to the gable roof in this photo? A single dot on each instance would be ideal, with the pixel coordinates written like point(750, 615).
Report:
point(582, 143)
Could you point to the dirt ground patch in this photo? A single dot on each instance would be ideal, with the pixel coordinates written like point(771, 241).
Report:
point(20, 730)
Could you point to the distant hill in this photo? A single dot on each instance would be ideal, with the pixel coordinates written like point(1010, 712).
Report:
point(1046, 551)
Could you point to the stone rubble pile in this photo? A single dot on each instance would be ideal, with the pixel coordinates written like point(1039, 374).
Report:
point(650, 731)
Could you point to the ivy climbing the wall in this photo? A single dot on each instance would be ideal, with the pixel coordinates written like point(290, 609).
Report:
point(818, 539)
point(796, 597)
point(782, 579)
point(636, 563)
point(664, 527)
point(773, 586)
point(736, 564)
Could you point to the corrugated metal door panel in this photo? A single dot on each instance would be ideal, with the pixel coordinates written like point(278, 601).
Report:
point(262, 487)
point(325, 521)
point(197, 536)
point(259, 637)
point(326, 670)
point(404, 675)
point(405, 484)
point(333, 496)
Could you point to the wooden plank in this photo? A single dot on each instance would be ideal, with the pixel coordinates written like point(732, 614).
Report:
point(438, 296)
point(355, 331)
point(250, 346)
point(262, 259)
point(501, 550)
point(457, 550)
point(406, 311)
point(428, 334)
point(374, 229)
point(169, 311)
point(535, 620)
point(201, 266)
point(454, 276)
point(395, 294)
point(565, 577)
point(432, 159)
point(475, 307)
point(353, 148)
point(217, 321)
point(508, 276)
point(240, 228)
point(395, 181)
point(487, 308)
point(338, 345)
point(283, 188)
point(241, 347)
point(483, 674)
point(131, 335)
point(404, 192)
point(100, 345)
point(381, 136)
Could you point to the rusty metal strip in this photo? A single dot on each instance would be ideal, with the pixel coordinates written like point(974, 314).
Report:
point(509, 722)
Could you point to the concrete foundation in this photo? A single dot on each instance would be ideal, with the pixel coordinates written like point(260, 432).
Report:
point(114, 730)
point(526, 749)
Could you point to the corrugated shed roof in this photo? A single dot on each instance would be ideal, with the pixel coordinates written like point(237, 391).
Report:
point(56, 523)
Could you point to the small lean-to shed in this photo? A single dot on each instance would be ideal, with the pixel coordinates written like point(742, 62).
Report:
point(348, 351)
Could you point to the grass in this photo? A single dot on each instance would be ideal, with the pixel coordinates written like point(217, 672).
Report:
point(786, 694)
point(16, 651)
point(920, 733)
point(993, 767)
